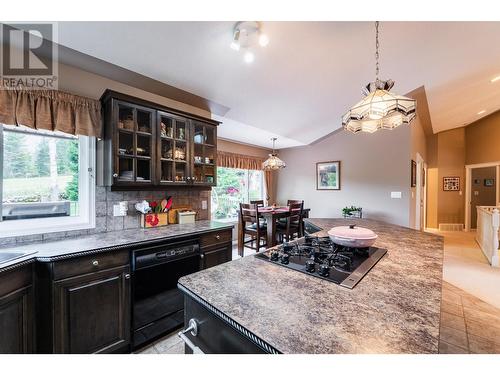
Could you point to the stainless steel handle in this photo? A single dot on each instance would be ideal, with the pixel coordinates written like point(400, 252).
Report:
point(193, 328)
point(95, 263)
point(115, 175)
point(127, 276)
point(217, 237)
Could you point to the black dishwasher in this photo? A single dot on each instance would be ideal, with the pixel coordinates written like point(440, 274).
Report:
point(158, 306)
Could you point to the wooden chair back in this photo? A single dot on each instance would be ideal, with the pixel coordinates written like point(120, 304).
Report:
point(292, 201)
point(295, 211)
point(259, 203)
point(249, 213)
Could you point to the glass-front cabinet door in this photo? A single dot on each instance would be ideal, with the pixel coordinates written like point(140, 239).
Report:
point(174, 151)
point(134, 151)
point(204, 140)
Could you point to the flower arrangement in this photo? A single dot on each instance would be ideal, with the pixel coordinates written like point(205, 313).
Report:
point(154, 213)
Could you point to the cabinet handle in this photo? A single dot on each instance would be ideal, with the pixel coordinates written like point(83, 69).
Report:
point(202, 256)
point(115, 175)
point(193, 328)
point(95, 263)
point(217, 237)
point(127, 276)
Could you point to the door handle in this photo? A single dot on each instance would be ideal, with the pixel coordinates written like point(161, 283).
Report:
point(193, 328)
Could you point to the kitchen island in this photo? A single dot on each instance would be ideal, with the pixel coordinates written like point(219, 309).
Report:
point(395, 308)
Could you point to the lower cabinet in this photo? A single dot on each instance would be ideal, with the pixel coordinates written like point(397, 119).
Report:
point(16, 311)
point(214, 256)
point(216, 248)
point(92, 312)
point(84, 305)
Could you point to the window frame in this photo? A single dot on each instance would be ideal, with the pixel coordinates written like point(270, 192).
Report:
point(86, 196)
point(247, 192)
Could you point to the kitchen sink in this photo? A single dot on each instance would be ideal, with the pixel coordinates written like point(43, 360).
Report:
point(7, 257)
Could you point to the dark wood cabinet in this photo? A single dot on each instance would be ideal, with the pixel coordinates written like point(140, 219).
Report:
point(216, 248)
point(84, 304)
point(92, 312)
point(147, 145)
point(16, 311)
point(214, 256)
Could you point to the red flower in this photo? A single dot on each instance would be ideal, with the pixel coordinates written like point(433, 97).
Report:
point(153, 204)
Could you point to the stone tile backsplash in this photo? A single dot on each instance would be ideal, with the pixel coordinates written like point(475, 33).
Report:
point(106, 222)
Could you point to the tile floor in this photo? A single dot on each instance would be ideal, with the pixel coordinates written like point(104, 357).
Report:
point(468, 324)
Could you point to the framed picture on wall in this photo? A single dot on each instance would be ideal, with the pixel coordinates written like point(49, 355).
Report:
point(451, 183)
point(413, 182)
point(489, 182)
point(328, 175)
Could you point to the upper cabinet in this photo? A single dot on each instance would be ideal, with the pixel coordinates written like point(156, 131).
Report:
point(146, 145)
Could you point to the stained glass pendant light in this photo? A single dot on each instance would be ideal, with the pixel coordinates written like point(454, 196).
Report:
point(273, 162)
point(380, 109)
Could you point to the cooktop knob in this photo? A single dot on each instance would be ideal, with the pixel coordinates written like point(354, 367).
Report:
point(310, 265)
point(285, 258)
point(324, 270)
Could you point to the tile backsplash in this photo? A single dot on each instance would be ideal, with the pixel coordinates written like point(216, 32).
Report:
point(106, 222)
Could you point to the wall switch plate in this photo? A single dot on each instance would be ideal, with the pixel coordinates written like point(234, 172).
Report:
point(395, 194)
point(120, 209)
point(204, 205)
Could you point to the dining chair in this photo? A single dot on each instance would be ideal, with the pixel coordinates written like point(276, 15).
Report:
point(259, 203)
point(253, 226)
point(293, 224)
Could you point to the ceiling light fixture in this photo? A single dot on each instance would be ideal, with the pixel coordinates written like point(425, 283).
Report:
point(273, 162)
point(246, 36)
point(380, 109)
point(235, 44)
point(263, 40)
point(249, 57)
point(493, 80)
point(481, 112)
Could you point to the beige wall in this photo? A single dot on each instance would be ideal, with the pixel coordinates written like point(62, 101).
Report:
point(372, 165)
point(451, 162)
point(418, 145)
point(448, 152)
point(240, 148)
point(482, 195)
point(80, 82)
point(483, 140)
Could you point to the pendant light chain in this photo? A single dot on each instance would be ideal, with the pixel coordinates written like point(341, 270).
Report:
point(377, 45)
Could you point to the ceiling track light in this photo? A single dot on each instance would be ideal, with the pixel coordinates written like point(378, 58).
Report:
point(246, 36)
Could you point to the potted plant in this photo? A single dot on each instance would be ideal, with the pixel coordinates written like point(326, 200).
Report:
point(352, 212)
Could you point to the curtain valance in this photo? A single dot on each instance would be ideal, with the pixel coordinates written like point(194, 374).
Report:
point(51, 110)
point(230, 160)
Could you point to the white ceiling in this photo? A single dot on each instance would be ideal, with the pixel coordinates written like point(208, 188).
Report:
point(310, 73)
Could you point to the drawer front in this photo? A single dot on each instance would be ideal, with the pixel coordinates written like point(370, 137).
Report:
point(216, 238)
point(15, 279)
point(214, 335)
point(89, 263)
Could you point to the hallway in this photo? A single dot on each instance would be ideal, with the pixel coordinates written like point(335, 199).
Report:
point(466, 268)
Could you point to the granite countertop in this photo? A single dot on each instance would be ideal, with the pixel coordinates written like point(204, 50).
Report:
point(56, 249)
point(395, 308)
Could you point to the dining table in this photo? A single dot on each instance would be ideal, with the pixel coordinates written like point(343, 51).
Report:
point(272, 215)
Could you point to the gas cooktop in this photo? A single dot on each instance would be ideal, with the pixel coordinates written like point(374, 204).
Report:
point(320, 257)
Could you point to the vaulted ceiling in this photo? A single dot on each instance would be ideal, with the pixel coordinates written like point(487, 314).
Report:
point(299, 86)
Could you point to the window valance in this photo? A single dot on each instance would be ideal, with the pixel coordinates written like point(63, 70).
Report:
point(51, 110)
point(230, 160)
